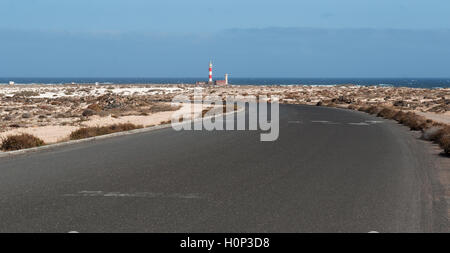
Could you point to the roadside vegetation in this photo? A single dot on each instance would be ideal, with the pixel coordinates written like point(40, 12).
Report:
point(432, 131)
point(87, 132)
point(20, 141)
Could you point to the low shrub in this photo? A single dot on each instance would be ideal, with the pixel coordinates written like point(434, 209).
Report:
point(417, 123)
point(88, 112)
point(20, 141)
point(387, 113)
point(26, 93)
point(398, 116)
point(204, 111)
point(26, 115)
point(163, 107)
point(165, 122)
point(95, 107)
point(373, 109)
point(87, 132)
point(433, 133)
point(363, 108)
point(414, 121)
point(444, 143)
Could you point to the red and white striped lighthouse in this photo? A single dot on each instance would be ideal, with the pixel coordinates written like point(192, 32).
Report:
point(210, 73)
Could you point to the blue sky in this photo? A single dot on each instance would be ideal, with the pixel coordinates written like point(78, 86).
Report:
point(176, 38)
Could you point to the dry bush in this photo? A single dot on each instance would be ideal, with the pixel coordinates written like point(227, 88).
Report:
point(26, 93)
point(438, 134)
point(404, 117)
point(417, 123)
point(414, 121)
point(373, 109)
point(387, 113)
point(204, 111)
point(291, 95)
point(95, 107)
point(399, 116)
point(163, 107)
point(88, 112)
point(363, 108)
point(87, 132)
point(26, 115)
point(433, 133)
point(165, 122)
point(20, 141)
point(444, 143)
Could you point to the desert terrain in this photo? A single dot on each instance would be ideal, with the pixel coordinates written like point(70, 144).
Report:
point(53, 112)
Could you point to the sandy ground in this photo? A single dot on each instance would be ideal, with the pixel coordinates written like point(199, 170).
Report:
point(49, 134)
point(57, 133)
point(438, 117)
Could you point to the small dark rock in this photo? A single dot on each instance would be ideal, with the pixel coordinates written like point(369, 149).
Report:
point(399, 103)
point(26, 115)
point(88, 112)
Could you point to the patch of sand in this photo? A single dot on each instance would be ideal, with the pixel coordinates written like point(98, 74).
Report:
point(56, 133)
point(49, 134)
point(438, 117)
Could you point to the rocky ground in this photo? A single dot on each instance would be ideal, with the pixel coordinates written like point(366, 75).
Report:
point(51, 112)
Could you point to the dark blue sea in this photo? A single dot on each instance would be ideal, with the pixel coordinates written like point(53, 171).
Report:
point(396, 82)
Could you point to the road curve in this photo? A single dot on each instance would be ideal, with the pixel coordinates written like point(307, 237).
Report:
point(331, 170)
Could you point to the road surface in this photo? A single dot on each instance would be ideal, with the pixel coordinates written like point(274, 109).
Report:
point(331, 170)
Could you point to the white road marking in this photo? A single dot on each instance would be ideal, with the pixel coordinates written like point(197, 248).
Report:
point(295, 122)
point(135, 194)
point(73, 232)
point(374, 232)
point(359, 124)
point(325, 122)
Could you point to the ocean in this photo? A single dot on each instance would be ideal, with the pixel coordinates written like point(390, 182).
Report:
point(395, 82)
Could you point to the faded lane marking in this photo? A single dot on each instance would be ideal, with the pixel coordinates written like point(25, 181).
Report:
point(325, 122)
point(134, 195)
point(374, 121)
point(295, 122)
point(365, 123)
point(359, 124)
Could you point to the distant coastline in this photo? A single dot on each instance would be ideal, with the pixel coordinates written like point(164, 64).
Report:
point(429, 83)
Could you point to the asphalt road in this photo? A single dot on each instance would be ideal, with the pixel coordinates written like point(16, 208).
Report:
point(331, 170)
